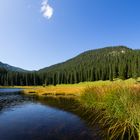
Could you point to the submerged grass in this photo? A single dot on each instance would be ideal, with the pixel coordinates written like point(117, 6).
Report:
point(117, 109)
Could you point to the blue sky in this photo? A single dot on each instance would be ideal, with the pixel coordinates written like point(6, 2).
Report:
point(35, 34)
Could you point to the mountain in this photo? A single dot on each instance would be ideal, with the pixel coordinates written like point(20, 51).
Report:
point(90, 56)
point(100, 64)
point(93, 65)
point(11, 68)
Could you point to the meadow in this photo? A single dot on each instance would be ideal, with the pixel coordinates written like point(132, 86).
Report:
point(74, 89)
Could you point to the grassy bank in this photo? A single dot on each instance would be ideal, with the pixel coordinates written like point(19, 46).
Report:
point(117, 109)
point(115, 105)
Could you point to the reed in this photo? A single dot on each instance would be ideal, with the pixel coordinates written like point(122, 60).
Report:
point(117, 109)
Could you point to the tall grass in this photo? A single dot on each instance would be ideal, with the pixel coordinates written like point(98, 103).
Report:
point(117, 109)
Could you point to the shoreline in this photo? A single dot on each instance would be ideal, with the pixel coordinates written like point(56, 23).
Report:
point(70, 89)
point(113, 104)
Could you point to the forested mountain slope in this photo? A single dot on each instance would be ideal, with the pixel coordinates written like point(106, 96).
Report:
point(93, 65)
point(101, 64)
point(90, 56)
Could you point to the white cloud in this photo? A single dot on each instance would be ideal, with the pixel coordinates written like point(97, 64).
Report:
point(46, 9)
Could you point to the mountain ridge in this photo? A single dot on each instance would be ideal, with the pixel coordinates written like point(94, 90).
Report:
point(18, 69)
point(87, 52)
point(11, 68)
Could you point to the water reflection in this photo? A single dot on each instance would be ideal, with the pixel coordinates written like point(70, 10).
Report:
point(32, 118)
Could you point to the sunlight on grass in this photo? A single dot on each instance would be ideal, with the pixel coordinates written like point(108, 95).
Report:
point(118, 109)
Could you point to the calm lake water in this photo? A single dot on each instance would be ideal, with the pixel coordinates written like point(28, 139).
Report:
point(28, 118)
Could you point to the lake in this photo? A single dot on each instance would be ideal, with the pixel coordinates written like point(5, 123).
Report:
point(30, 118)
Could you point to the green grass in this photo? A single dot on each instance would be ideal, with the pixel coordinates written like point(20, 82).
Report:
point(117, 109)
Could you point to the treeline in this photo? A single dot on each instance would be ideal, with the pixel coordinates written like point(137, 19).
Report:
point(102, 64)
point(10, 78)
